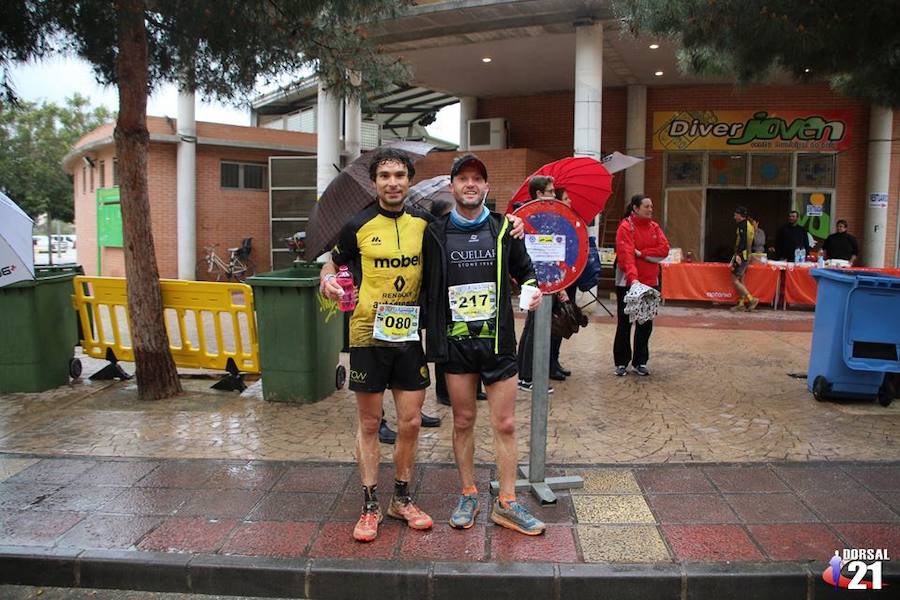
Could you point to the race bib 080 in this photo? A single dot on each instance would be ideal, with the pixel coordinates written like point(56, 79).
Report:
point(473, 301)
point(396, 323)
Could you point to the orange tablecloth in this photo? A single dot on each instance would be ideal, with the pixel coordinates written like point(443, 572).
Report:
point(711, 282)
point(800, 287)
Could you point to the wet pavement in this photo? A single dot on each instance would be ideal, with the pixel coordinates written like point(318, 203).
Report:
point(718, 466)
point(716, 393)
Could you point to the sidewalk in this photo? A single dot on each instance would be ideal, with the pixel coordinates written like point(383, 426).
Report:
point(281, 528)
point(717, 477)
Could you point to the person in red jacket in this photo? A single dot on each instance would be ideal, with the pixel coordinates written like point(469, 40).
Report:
point(640, 246)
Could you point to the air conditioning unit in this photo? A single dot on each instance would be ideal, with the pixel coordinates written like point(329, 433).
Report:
point(488, 134)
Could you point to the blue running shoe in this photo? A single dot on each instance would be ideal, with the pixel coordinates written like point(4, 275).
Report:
point(464, 515)
point(516, 517)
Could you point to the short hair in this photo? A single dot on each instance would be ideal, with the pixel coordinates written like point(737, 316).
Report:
point(558, 192)
point(538, 183)
point(635, 202)
point(390, 155)
point(793, 212)
point(841, 222)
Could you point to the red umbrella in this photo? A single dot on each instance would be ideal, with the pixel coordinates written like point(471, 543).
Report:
point(585, 180)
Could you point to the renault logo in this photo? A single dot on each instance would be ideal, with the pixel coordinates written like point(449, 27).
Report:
point(399, 283)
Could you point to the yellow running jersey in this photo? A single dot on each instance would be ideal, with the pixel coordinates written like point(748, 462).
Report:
point(384, 252)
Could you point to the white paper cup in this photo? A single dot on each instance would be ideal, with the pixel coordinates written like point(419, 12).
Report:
point(528, 292)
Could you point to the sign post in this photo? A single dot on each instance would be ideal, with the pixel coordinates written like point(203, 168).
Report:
point(557, 241)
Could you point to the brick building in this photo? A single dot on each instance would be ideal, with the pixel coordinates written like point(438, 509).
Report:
point(232, 192)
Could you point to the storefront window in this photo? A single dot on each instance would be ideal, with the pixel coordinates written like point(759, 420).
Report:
point(815, 170)
point(770, 170)
point(683, 169)
point(727, 169)
point(815, 210)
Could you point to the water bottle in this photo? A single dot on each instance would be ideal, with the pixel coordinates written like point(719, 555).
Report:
point(821, 260)
point(345, 279)
point(799, 255)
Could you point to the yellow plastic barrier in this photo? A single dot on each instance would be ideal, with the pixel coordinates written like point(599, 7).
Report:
point(207, 322)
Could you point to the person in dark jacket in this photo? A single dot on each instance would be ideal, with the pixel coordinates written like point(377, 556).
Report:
point(469, 258)
point(789, 238)
point(841, 244)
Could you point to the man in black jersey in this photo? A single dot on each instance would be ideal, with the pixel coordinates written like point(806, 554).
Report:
point(469, 260)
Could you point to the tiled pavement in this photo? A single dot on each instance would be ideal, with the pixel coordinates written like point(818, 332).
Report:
point(641, 514)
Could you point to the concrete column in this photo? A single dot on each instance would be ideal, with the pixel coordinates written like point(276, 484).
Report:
point(588, 87)
point(352, 128)
point(877, 181)
point(468, 110)
point(186, 187)
point(328, 134)
point(636, 139)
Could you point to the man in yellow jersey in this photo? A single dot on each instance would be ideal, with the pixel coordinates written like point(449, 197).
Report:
point(743, 244)
point(382, 245)
point(469, 260)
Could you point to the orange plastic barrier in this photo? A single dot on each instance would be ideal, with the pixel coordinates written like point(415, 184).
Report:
point(711, 282)
point(800, 287)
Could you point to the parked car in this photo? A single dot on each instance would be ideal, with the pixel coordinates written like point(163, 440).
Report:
point(40, 243)
point(60, 242)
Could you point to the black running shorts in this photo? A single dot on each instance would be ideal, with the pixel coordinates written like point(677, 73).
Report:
point(376, 368)
point(739, 269)
point(476, 355)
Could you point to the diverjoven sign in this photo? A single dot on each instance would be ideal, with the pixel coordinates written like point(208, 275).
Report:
point(743, 130)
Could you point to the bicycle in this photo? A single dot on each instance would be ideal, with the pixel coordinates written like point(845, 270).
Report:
point(238, 267)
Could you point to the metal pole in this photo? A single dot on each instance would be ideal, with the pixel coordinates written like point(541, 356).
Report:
point(540, 397)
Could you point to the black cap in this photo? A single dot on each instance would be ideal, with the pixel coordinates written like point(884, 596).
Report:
point(741, 210)
point(468, 159)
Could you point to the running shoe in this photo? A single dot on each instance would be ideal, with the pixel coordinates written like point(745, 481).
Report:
point(752, 304)
point(739, 306)
point(642, 370)
point(366, 528)
point(621, 370)
point(409, 512)
point(516, 517)
point(528, 386)
point(464, 515)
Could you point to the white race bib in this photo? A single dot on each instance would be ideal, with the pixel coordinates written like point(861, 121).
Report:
point(395, 323)
point(473, 301)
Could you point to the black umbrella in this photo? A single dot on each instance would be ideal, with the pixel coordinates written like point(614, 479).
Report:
point(350, 192)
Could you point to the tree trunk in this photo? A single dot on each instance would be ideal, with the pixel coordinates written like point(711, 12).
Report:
point(155, 370)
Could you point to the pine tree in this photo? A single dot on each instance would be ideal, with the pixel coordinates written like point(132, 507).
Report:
point(855, 46)
point(219, 48)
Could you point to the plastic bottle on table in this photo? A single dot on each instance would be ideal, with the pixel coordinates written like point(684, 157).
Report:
point(345, 279)
point(799, 255)
point(820, 262)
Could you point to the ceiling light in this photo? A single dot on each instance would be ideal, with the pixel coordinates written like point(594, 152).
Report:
point(658, 73)
point(654, 46)
point(806, 70)
point(486, 59)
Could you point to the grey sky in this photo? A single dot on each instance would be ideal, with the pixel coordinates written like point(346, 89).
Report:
point(57, 78)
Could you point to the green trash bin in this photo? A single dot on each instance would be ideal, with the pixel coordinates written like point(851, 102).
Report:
point(300, 335)
point(39, 330)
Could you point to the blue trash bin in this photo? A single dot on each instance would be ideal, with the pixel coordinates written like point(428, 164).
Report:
point(856, 335)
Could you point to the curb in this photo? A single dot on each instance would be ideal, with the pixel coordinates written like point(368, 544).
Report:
point(339, 579)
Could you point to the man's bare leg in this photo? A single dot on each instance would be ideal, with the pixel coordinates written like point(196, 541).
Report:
point(462, 390)
point(409, 420)
point(739, 286)
point(368, 453)
point(368, 412)
point(502, 402)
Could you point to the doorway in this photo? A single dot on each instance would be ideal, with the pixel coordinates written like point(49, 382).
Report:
point(769, 206)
